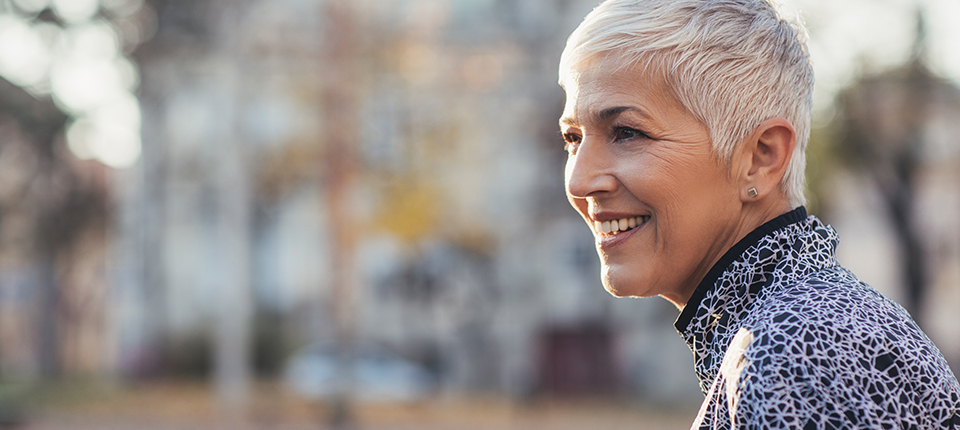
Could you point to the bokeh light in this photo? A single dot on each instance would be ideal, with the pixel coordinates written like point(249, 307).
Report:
point(24, 57)
point(84, 69)
point(76, 11)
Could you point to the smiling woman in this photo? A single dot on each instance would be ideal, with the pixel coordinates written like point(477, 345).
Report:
point(635, 152)
point(685, 125)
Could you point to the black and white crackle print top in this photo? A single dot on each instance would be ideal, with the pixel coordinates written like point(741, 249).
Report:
point(783, 337)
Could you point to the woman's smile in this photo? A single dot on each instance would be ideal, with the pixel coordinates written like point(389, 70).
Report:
point(613, 232)
point(612, 227)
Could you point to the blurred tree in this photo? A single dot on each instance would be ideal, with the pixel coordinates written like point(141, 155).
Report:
point(880, 127)
point(65, 94)
point(55, 190)
point(340, 98)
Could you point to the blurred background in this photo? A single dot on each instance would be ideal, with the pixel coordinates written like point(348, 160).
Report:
point(350, 214)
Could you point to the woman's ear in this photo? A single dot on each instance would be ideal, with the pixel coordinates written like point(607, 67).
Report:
point(765, 156)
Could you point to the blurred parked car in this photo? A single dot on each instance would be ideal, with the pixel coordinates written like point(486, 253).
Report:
point(377, 374)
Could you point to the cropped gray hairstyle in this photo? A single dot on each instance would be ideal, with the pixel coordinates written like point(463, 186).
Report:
point(731, 63)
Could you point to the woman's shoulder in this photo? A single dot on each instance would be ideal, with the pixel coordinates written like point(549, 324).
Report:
point(841, 326)
point(828, 292)
point(835, 340)
point(834, 302)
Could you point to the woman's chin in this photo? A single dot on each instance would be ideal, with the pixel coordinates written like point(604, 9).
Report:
point(618, 287)
point(618, 293)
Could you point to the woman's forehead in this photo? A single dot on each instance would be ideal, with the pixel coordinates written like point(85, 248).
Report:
point(596, 94)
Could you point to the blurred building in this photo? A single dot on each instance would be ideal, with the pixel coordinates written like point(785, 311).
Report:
point(467, 256)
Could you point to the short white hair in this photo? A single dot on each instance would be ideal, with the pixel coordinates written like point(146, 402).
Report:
point(732, 63)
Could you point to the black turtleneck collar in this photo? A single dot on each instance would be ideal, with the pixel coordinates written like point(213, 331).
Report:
point(732, 254)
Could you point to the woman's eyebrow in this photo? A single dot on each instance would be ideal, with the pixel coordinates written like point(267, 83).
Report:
point(606, 114)
point(612, 112)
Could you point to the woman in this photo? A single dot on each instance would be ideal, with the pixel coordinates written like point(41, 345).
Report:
point(686, 123)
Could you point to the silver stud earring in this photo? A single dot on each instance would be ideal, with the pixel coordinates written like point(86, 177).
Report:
point(752, 192)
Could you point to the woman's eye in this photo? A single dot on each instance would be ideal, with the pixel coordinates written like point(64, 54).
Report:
point(571, 140)
point(626, 133)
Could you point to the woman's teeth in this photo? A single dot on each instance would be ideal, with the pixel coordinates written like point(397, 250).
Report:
point(619, 225)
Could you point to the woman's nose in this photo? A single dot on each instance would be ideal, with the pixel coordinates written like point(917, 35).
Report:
point(589, 171)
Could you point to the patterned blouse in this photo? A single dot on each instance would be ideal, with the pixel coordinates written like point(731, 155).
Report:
point(783, 337)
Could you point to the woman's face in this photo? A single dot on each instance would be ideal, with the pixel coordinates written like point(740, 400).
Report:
point(641, 172)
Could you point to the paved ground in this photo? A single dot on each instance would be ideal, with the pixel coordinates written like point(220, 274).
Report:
point(190, 406)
